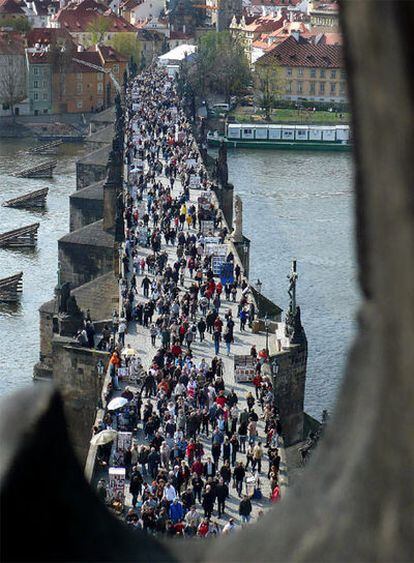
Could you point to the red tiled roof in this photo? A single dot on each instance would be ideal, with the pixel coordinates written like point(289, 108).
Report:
point(304, 53)
point(39, 57)
point(265, 24)
point(12, 43)
point(77, 17)
point(10, 7)
point(180, 35)
point(47, 36)
point(109, 54)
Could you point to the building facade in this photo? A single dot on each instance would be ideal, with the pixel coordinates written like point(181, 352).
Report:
point(308, 71)
point(13, 85)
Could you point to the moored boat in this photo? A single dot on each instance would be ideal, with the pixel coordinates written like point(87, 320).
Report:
point(288, 137)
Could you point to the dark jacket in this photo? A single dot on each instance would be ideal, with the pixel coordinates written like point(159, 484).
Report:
point(245, 507)
point(222, 492)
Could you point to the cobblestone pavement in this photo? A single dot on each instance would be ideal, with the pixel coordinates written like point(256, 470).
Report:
point(138, 338)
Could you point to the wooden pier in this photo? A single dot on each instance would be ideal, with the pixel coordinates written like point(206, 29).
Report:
point(33, 199)
point(25, 237)
point(41, 170)
point(11, 287)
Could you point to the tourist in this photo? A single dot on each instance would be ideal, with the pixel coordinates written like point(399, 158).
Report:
point(245, 509)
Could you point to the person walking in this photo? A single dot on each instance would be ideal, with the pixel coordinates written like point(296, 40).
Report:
point(208, 502)
point(145, 284)
point(228, 338)
point(222, 492)
point(245, 509)
point(257, 457)
point(153, 334)
point(216, 339)
point(239, 474)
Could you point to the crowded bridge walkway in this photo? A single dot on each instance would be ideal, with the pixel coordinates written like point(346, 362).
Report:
point(198, 449)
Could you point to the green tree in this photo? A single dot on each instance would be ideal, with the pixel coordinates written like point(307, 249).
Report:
point(222, 66)
point(269, 81)
point(128, 45)
point(97, 28)
point(20, 24)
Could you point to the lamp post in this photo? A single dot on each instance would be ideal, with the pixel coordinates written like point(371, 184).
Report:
point(259, 285)
point(267, 325)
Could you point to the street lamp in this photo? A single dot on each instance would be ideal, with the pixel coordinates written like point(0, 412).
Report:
point(259, 285)
point(267, 326)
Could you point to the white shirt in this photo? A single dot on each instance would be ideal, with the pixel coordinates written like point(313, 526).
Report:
point(170, 493)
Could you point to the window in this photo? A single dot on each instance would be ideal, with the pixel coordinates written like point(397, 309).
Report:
point(44, 96)
point(79, 104)
point(322, 73)
point(36, 96)
point(333, 88)
point(333, 73)
point(289, 87)
point(313, 72)
point(35, 84)
point(300, 71)
point(79, 88)
point(321, 87)
point(44, 84)
point(35, 71)
point(100, 87)
point(343, 74)
point(342, 88)
point(288, 72)
point(100, 102)
point(100, 76)
point(79, 76)
point(115, 68)
point(300, 87)
point(312, 88)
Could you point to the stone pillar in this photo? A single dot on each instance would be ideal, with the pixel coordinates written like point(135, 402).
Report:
point(289, 391)
point(76, 376)
point(226, 204)
point(243, 250)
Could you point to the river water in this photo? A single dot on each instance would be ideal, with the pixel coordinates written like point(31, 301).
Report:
point(296, 204)
point(300, 205)
point(19, 323)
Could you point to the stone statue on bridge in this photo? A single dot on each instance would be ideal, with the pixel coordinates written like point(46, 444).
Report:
point(237, 233)
point(221, 166)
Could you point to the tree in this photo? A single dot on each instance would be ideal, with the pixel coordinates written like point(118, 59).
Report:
point(270, 83)
point(20, 24)
point(13, 83)
point(128, 45)
point(97, 28)
point(222, 66)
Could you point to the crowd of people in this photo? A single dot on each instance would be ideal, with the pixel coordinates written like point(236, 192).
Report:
point(196, 441)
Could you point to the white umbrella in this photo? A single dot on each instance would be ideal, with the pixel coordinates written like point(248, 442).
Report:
point(117, 403)
point(104, 437)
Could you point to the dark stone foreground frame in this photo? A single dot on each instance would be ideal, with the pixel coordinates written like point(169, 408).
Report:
point(356, 500)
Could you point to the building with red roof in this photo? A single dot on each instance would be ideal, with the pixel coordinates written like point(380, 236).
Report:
point(91, 22)
point(308, 71)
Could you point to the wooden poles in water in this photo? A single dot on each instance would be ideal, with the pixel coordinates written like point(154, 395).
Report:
point(11, 288)
point(33, 199)
point(25, 237)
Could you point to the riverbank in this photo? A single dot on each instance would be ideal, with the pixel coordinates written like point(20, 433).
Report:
point(289, 116)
